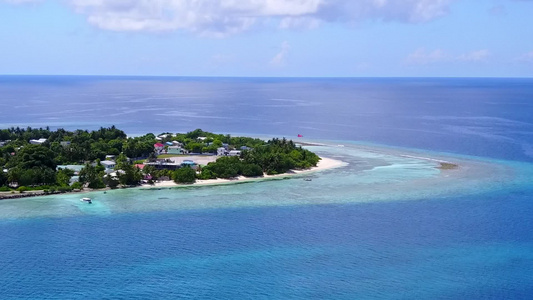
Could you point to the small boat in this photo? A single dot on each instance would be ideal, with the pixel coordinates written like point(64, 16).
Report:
point(307, 179)
point(88, 200)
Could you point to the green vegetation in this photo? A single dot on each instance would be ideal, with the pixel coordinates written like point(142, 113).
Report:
point(92, 176)
point(26, 166)
point(273, 157)
point(184, 175)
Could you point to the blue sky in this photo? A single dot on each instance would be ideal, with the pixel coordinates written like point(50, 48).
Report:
point(322, 38)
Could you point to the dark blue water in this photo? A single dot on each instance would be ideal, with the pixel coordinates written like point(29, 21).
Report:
point(455, 247)
point(482, 117)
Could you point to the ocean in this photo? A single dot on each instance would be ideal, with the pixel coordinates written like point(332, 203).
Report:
point(385, 226)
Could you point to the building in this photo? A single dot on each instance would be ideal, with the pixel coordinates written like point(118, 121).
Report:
point(176, 150)
point(159, 147)
point(65, 143)
point(164, 164)
point(108, 165)
point(38, 142)
point(189, 163)
point(3, 143)
point(222, 151)
point(234, 153)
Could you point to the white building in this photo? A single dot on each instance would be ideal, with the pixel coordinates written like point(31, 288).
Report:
point(221, 151)
point(234, 153)
point(108, 165)
point(37, 142)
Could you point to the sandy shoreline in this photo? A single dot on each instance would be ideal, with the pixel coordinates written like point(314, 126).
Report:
point(325, 163)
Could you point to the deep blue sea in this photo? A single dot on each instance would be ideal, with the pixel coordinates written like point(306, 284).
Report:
point(355, 232)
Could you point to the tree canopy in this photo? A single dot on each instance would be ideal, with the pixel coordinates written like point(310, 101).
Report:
point(35, 165)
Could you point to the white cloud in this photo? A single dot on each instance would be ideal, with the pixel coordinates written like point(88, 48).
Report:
point(526, 57)
point(299, 23)
point(280, 59)
point(423, 57)
point(225, 17)
point(474, 56)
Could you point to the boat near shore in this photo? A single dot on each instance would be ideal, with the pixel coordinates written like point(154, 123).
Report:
point(87, 200)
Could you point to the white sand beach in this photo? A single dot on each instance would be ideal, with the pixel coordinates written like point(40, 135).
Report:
point(325, 163)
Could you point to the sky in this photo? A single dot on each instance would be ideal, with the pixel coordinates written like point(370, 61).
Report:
point(268, 38)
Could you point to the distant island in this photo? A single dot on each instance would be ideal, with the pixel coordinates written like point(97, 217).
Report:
point(63, 161)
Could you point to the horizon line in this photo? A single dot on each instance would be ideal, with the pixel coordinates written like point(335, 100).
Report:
point(265, 77)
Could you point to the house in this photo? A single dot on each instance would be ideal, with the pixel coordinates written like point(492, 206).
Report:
point(222, 151)
point(164, 164)
point(169, 144)
point(108, 165)
point(245, 148)
point(65, 143)
point(234, 153)
point(176, 143)
point(3, 143)
point(176, 150)
point(159, 147)
point(189, 163)
point(38, 142)
point(202, 138)
point(110, 157)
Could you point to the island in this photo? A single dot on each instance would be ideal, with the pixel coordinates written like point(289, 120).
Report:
point(43, 161)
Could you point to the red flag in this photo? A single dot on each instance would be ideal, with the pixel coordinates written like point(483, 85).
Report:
point(299, 135)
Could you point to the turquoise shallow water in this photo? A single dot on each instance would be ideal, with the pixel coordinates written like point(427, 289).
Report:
point(369, 174)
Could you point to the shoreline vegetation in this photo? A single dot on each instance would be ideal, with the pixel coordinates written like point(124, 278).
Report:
point(324, 164)
point(38, 162)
